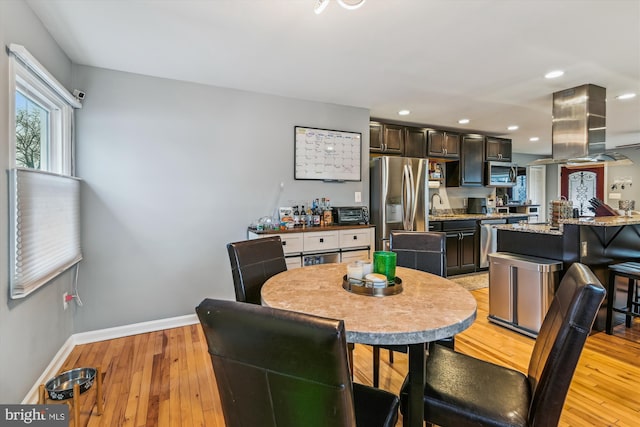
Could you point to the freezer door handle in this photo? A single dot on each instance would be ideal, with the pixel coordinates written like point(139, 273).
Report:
point(408, 198)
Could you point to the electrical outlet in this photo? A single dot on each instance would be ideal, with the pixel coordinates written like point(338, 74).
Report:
point(358, 197)
point(65, 304)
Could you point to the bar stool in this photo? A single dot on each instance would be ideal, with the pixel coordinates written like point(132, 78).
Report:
point(630, 270)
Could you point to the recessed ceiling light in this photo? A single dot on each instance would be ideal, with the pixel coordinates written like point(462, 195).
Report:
point(626, 96)
point(513, 127)
point(463, 121)
point(534, 139)
point(554, 74)
point(404, 112)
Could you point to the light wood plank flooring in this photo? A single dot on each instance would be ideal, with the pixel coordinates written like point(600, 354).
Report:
point(165, 378)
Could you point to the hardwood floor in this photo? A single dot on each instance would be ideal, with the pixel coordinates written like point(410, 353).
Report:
point(165, 378)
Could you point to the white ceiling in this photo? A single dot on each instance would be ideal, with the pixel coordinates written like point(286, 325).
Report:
point(441, 59)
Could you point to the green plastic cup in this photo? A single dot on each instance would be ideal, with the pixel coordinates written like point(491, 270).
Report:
point(384, 262)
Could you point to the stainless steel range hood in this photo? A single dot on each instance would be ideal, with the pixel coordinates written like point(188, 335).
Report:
point(578, 131)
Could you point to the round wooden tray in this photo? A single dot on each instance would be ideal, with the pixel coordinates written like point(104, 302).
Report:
point(365, 287)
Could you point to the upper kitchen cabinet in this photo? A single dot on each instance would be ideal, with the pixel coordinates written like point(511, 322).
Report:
point(415, 143)
point(497, 149)
point(469, 171)
point(386, 138)
point(443, 144)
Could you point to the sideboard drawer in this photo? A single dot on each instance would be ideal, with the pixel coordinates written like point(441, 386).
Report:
point(321, 241)
point(355, 238)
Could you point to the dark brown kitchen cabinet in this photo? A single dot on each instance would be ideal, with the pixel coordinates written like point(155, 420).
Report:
point(415, 142)
point(386, 138)
point(469, 171)
point(462, 243)
point(497, 149)
point(443, 144)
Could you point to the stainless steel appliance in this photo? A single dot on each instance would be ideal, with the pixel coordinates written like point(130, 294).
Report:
point(578, 128)
point(501, 174)
point(399, 198)
point(521, 289)
point(350, 215)
point(488, 239)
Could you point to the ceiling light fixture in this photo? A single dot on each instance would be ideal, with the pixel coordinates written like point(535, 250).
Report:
point(404, 112)
point(512, 127)
point(321, 5)
point(463, 121)
point(554, 74)
point(626, 96)
point(351, 4)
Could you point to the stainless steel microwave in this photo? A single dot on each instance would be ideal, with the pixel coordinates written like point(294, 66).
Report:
point(501, 174)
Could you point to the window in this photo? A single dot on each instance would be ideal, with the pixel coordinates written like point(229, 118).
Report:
point(44, 195)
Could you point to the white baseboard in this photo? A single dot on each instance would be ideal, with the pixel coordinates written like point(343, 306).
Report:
point(100, 335)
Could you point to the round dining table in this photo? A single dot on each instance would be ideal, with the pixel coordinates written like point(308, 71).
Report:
point(429, 308)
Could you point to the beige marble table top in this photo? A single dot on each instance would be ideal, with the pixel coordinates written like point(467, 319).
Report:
point(428, 309)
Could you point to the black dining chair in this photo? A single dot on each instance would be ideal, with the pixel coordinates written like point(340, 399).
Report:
point(464, 391)
point(420, 250)
point(253, 262)
point(286, 369)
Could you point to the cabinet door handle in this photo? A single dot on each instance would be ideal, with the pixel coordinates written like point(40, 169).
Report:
point(355, 237)
point(321, 240)
point(444, 151)
point(284, 243)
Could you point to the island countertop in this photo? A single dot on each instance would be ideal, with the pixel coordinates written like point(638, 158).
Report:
point(530, 228)
point(604, 221)
point(463, 216)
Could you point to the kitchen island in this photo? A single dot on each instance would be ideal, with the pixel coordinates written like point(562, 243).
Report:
point(596, 242)
point(469, 237)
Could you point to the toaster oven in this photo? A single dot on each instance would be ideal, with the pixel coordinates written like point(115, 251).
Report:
point(350, 215)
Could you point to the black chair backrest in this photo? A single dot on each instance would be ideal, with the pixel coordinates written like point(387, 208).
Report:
point(560, 341)
point(252, 263)
point(420, 250)
point(278, 368)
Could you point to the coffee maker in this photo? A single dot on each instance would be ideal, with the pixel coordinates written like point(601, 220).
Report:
point(477, 205)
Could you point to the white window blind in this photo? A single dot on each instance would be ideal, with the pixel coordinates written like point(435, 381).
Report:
point(45, 228)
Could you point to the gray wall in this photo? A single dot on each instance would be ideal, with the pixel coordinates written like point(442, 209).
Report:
point(172, 172)
point(32, 329)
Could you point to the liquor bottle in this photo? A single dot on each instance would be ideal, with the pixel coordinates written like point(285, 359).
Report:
point(316, 217)
point(296, 217)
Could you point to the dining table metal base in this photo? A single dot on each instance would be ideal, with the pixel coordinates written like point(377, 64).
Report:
point(417, 373)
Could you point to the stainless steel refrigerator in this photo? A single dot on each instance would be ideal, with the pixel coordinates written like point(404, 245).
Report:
point(399, 196)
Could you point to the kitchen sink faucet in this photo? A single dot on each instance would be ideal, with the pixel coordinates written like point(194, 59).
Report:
point(433, 209)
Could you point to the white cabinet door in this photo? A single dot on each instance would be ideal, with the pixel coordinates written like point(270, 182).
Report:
point(292, 243)
point(293, 262)
point(355, 238)
point(352, 256)
point(321, 241)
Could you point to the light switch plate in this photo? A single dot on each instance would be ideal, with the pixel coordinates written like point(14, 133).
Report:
point(615, 196)
point(358, 197)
